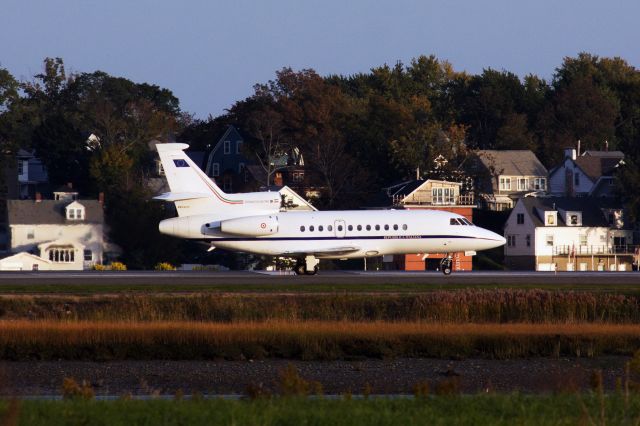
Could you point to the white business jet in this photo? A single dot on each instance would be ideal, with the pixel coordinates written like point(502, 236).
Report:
point(253, 223)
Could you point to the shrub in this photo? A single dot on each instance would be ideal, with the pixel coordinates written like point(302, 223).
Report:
point(118, 266)
point(99, 267)
point(164, 266)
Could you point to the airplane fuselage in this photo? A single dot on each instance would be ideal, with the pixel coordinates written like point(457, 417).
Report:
point(368, 233)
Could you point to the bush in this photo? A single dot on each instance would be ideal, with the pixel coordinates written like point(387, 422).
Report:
point(99, 267)
point(118, 266)
point(164, 266)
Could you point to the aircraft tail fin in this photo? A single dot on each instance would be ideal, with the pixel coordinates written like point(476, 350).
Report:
point(185, 177)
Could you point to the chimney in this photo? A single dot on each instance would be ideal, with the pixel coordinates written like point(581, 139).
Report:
point(38, 197)
point(578, 148)
point(418, 173)
point(101, 198)
point(570, 153)
point(277, 180)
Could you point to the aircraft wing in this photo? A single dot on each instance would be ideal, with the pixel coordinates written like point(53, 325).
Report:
point(331, 251)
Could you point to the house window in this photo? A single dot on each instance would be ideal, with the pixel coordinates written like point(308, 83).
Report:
point(511, 240)
point(216, 169)
point(160, 169)
point(551, 219)
point(540, 184)
point(576, 179)
point(505, 184)
point(238, 147)
point(227, 147)
point(298, 176)
point(240, 167)
point(528, 239)
point(20, 167)
point(88, 255)
point(71, 214)
point(573, 219)
point(442, 195)
point(522, 184)
point(30, 234)
point(520, 218)
point(583, 239)
point(75, 214)
point(550, 240)
point(62, 255)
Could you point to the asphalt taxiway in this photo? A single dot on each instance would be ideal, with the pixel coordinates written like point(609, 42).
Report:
point(176, 278)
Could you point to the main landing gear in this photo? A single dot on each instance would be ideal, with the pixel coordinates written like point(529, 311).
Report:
point(446, 263)
point(307, 266)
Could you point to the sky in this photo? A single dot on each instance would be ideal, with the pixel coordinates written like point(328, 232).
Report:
point(210, 53)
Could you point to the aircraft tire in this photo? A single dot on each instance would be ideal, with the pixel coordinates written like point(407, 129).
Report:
point(446, 270)
point(314, 271)
point(300, 269)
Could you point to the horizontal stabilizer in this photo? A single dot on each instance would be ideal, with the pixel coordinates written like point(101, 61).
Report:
point(180, 196)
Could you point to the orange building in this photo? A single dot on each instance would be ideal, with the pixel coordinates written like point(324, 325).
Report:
point(432, 195)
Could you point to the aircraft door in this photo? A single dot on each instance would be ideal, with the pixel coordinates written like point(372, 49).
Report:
point(340, 228)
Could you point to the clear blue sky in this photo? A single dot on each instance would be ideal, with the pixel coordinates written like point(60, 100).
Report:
point(210, 53)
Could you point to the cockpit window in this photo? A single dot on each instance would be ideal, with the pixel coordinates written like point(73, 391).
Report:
point(467, 221)
point(453, 221)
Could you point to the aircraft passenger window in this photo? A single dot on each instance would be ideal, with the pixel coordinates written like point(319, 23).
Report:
point(320, 228)
point(350, 228)
point(404, 227)
point(302, 229)
point(359, 227)
point(368, 227)
point(454, 221)
point(311, 228)
point(395, 227)
point(330, 228)
point(386, 227)
point(339, 227)
point(377, 227)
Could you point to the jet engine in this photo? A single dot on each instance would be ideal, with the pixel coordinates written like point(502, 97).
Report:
point(251, 226)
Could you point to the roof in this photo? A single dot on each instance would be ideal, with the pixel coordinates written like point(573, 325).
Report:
point(197, 157)
point(604, 154)
point(22, 254)
point(596, 166)
point(50, 212)
point(591, 208)
point(513, 162)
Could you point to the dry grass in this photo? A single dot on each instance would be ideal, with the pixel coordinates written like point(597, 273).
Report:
point(307, 340)
point(463, 306)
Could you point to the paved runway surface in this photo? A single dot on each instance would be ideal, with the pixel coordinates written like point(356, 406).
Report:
point(324, 277)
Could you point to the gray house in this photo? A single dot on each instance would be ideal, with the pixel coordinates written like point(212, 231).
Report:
point(503, 177)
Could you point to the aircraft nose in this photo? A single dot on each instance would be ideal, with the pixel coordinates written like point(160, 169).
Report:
point(492, 239)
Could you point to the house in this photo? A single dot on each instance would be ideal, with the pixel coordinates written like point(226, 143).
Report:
point(32, 175)
point(588, 174)
point(568, 234)
point(429, 194)
point(234, 172)
point(291, 200)
point(502, 177)
point(64, 233)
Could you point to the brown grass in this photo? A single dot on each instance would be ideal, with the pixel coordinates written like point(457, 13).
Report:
point(307, 340)
point(463, 306)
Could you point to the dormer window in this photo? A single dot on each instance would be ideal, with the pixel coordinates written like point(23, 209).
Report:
point(550, 218)
point(75, 211)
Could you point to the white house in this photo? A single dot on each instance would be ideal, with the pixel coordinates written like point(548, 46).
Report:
point(65, 233)
point(581, 234)
point(589, 173)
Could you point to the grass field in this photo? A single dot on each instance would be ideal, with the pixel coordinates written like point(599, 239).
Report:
point(568, 409)
point(308, 340)
point(459, 306)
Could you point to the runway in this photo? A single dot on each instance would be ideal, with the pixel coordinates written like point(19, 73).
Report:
point(343, 278)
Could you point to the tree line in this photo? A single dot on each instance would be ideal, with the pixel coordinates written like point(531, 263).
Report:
point(357, 133)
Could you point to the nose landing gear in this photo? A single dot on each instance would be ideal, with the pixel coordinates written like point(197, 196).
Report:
point(307, 266)
point(446, 263)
